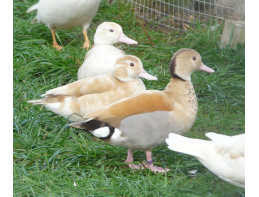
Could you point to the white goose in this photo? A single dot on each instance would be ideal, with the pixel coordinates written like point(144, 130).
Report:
point(101, 58)
point(223, 155)
point(64, 14)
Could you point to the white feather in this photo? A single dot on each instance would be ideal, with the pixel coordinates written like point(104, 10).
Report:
point(224, 155)
point(101, 61)
point(102, 57)
point(64, 109)
point(117, 138)
point(33, 8)
point(66, 13)
point(101, 132)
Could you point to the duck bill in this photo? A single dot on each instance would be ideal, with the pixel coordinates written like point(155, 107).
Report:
point(147, 76)
point(124, 39)
point(205, 68)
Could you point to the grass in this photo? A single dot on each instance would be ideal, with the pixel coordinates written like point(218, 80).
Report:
point(50, 157)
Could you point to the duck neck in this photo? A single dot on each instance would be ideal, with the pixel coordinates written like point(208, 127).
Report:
point(177, 83)
point(175, 76)
point(101, 41)
point(101, 44)
point(125, 79)
point(184, 98)
point(183, 92)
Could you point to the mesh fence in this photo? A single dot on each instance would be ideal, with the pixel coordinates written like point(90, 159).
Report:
point(177, 14)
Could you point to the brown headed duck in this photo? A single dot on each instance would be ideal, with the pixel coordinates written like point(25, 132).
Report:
point(143, 122)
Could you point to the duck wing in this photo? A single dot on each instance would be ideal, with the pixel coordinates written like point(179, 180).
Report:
point(85, 86)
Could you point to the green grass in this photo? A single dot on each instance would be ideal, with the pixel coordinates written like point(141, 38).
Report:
point(49, 156)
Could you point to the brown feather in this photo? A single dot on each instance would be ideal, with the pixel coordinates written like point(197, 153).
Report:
point(143, 103)
point(172, 64)
point(48, 99)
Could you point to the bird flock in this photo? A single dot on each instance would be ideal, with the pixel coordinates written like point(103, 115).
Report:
point(110, 101)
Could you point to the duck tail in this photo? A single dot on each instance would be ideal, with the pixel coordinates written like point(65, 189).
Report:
point(37, 102)
point(48, 99)
point(95, 127)
point(195, 147)
point(33, 8)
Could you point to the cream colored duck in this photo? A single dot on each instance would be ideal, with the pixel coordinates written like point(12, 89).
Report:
point(76, 99)
point(145, 120)
point(101, 58)
point(64, 14)
point(223, 155)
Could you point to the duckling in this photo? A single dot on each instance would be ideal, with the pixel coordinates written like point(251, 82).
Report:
point(64, 14)
point(143, 121)
point(76, 99)
point(223, 155)
point(101, 58)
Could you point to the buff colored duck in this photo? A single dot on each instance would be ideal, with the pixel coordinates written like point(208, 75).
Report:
point(223, 155)
point(64, 14)
point(144, 121)
point(101, 58)
point(76, 99)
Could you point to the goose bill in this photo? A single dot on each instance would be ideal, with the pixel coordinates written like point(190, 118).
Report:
point(124, 39)
point(205, 68)
point(147, 76)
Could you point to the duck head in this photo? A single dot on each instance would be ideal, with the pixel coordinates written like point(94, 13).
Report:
point(185, 62)
point(130, 67)
point(109, 33)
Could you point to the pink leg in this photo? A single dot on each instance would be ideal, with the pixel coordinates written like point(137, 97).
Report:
point(130, 159)
point(130, 156)
point(150, 164)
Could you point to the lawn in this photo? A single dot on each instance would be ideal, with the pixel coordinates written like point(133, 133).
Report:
point(52, 159)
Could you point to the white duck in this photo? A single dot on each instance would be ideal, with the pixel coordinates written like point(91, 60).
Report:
point(64, 14)
point(101, 58)
point(223, 155)
point(143, 122)
point(76, 99)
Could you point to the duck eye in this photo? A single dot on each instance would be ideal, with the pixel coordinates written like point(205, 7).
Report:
point(194, 58)
point(131, 64)
point(111, 30)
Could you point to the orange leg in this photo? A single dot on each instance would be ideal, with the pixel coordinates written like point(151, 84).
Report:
point(55, 44)
point(87, 42)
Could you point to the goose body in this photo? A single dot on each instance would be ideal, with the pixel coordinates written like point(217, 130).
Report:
point(74, 100)
point(223, 155)
point(64, 14)
point(101, 58)
point(145, 120)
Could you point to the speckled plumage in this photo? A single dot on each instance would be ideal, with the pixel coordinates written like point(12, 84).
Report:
point(145, 120)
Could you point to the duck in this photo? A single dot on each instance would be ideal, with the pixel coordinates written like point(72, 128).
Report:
point(223, 155)
point(76, 99)
point(143, 121)
point(101, 58)
point(65, 14)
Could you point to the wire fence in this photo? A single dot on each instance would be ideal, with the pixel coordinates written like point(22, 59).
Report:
point(179, 14)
